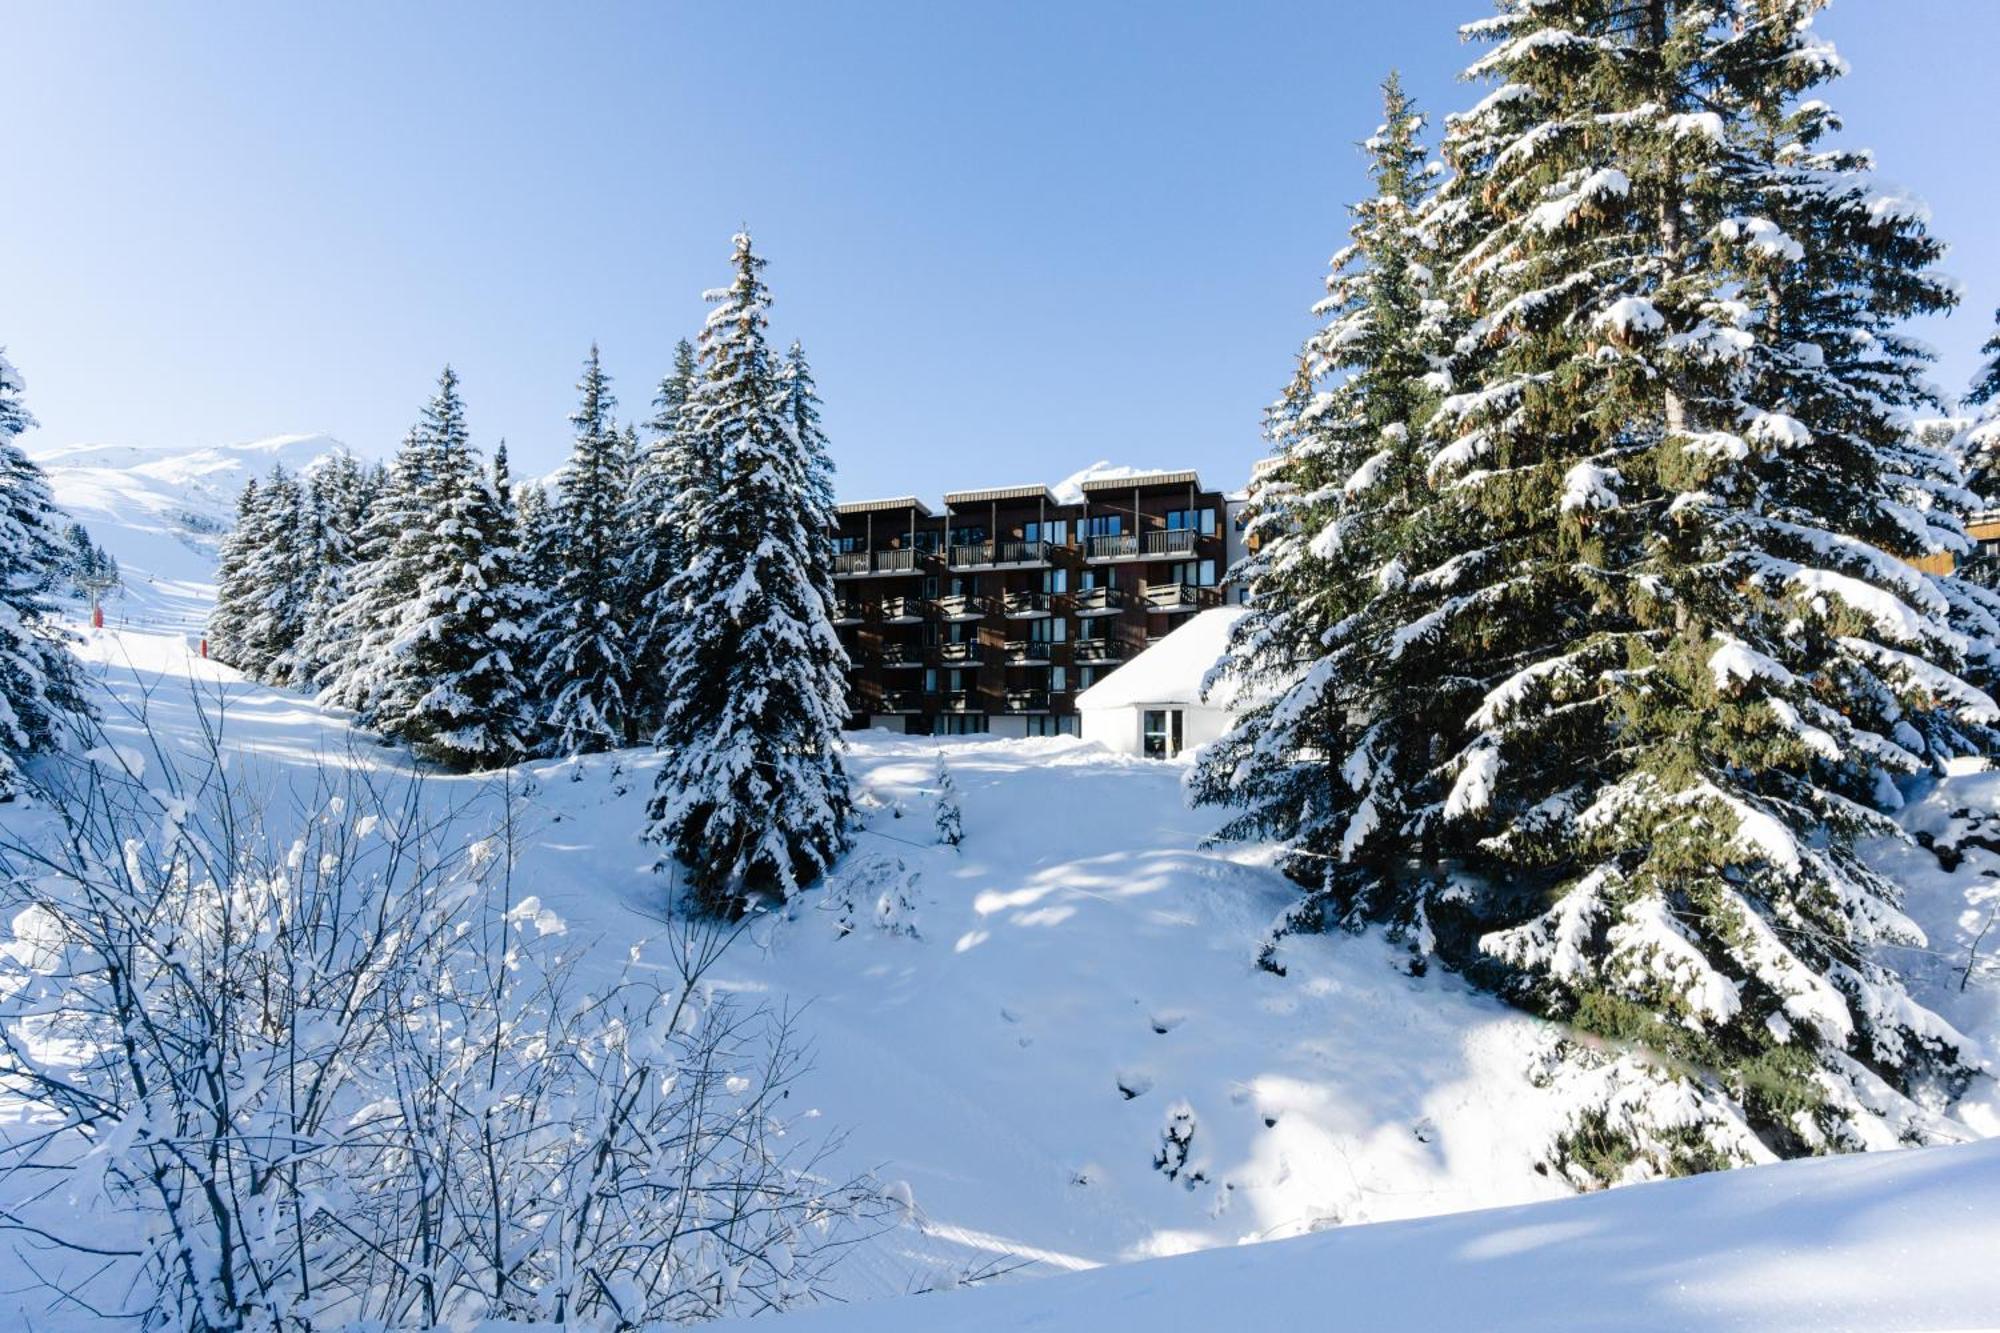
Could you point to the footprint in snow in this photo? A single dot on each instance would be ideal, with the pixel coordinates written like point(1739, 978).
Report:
point(1132, 1083)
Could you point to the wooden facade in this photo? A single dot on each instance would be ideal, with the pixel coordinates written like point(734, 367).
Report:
point(990, 613)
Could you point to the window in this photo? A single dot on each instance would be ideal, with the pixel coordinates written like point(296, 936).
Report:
point(930, 585)
point(1055, 580)
point(954, 680)
point(953, 724)
point(965, 536)
point(1050, 725)
point(1053, 630)
point(1110, 525)
point(1058, 679)
point(1093, 628)
point(1193, 573)
point(926, 540)
point(1055, 532)
point(966, 586)
point(848, 545)
point(1197, 520)
point(1086, 677)
point(1160, 734)
point(930, 680)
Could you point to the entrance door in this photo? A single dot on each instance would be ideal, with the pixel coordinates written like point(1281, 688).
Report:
point(1161, 733)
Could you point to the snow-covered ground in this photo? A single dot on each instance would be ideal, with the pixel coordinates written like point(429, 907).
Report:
point(1901, 1240)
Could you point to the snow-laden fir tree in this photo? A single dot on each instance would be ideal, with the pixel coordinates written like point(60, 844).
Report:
point(454, 693)
point(1983, 451)
point(39, 683)
point(1318, 758)
point(89, 570)
point(234, 597)
point(666, 482)
point(947, 817)
point(752, 796)
point(583, 671)
point(337, 498)
point(802, 399)
point(393, 553)
point(1671, 665)
point(278, 574)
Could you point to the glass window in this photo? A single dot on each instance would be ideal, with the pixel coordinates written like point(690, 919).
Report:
point(848, 545)
point(1160, 733)
point(1055, 580)
point(956, 724)
point(930, 680)
point(1197, 520)
point(1058, 679)
point(1108, 525)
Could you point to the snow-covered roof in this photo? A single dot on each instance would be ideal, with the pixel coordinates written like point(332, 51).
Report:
point(1171, 670)
point(999, 493)
point(1140, 481)
point(878, 506)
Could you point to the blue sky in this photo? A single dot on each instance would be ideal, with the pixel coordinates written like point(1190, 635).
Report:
point(1015, 238)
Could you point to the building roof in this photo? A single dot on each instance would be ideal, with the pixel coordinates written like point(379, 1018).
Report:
point(952, 498)
point(1140, 481)
point(878, 506)
point(1171, 670)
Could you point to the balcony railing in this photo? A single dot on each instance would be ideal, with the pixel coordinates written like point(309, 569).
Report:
point(962, 606)
point(1165, 544)
point(901, 657)
point(958, 654)
point(1171, 598)
point(902, 701)
point(1027, 701)
point(905, 610)
point(961, 701)
point(1099, 602)
point(1025, 605)
point(1028, 652)
point(861, 564)
point(1091, 651)
point(849, 613)
point(989, 555)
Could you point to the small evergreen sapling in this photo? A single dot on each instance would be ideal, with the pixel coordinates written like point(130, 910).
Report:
point(950, 831)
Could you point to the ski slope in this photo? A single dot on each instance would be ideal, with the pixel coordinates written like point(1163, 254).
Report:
point(161, 512)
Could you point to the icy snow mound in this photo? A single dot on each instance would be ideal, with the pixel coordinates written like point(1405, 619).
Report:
point(1879, 1240)
point(161, 512)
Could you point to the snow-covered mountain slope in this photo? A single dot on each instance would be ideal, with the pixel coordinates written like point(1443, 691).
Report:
point(160, 513)
point(1901, 1240)
point(1055, 1034)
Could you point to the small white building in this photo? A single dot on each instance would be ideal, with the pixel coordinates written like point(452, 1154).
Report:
point(1152, 705)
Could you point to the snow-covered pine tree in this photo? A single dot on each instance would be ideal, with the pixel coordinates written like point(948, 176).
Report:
point(279, 574)
point(752, 795)
point(235, 598)
point(584, 673)
point(1320, 760)
point(454, 693)
point(948, 819)
point(666, 486)
point(337, 498)
point(802, 399)
point(1670, 674)
point(1983, 451)
point(393, 555)
point(39, 682)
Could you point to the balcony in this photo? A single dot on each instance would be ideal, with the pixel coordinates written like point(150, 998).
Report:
point(1027, 701)
point(876, 564)
point(901, 701)
point(1000, 555)
point(1094, 602)
point(1025, 606)
point(971, 652)
point(1174, 598)
point(905, 610)
point(962, 701)
point(1028, 652)
point(1165, 544)
point(1091, 652)
point(849, 613)
point(901, 657)
point(961, 607)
